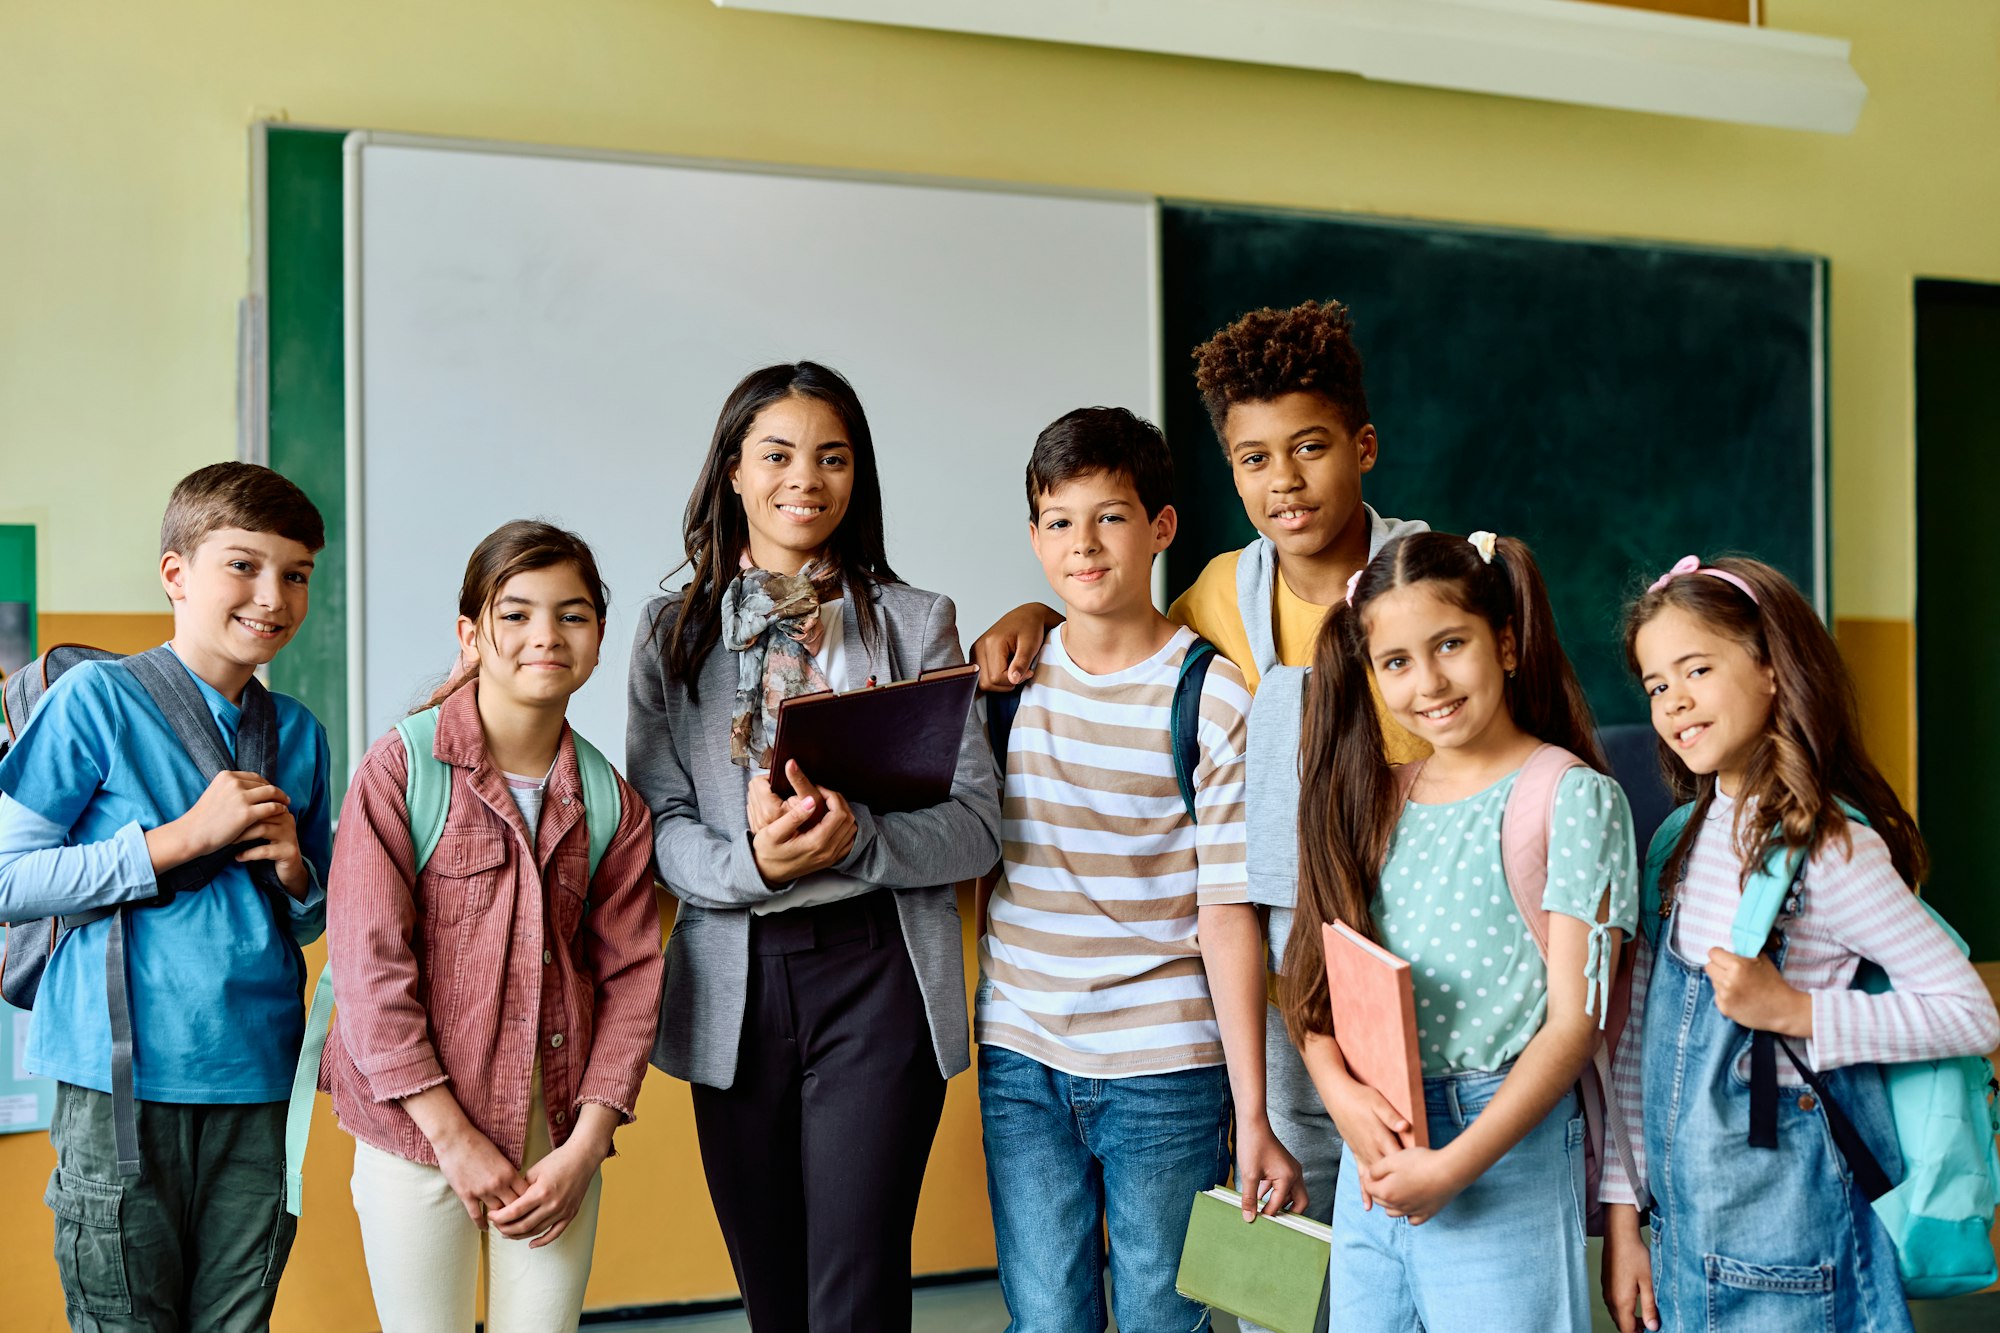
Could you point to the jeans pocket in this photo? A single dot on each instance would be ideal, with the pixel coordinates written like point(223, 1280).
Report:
point(1574, 1154)
point(1767, 1298)
point(90, 1251)
point(283, 1232)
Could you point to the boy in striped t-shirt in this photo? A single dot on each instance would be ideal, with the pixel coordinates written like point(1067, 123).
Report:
point(1122, 966)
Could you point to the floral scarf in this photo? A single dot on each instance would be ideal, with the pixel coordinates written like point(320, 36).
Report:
point(772, 623)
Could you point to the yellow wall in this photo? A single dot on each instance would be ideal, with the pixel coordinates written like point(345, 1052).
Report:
point(123, 145)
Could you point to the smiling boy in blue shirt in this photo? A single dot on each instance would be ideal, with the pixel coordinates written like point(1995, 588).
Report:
point(98, 800)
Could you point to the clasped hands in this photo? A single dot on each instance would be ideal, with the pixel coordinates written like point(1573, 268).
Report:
point(1407, 1181)
point(810, 830)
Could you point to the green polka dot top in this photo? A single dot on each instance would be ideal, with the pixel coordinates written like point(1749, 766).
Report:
point(1481, 986)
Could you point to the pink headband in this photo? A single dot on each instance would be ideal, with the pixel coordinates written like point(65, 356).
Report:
point(1688, 564)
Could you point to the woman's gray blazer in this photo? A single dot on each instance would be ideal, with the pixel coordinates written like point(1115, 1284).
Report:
point(677, 755)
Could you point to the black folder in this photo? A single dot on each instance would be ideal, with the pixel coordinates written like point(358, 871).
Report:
point(888, 747)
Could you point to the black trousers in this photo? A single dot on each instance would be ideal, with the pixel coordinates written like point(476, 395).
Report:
point(815, 1156)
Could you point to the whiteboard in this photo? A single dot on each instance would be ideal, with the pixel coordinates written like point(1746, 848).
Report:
point(540, 334)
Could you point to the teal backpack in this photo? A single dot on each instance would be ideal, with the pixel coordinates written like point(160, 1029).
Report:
point(1945, 1112)
point(428, 797)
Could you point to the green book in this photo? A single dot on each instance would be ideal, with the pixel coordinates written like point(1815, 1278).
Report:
point(1272, 1270)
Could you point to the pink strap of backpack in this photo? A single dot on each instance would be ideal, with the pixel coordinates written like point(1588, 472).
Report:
point(1524, 831)
point(1525, 826)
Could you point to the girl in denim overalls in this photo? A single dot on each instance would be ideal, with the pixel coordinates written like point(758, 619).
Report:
point(1756, 715)
point(1483, 1229)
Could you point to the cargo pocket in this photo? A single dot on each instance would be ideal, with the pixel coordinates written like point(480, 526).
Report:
point(1768, 1298)
point(283, 1233)
point(90, 1252)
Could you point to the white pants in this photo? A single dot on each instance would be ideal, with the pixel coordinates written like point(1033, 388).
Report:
point(423, 1251)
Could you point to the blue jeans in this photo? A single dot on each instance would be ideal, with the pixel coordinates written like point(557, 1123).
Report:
point(1506, 1254)
point(1069, 1158)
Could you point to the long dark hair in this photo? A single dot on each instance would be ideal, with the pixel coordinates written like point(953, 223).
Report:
point(714, 531)
point(510, 549)
point(1348, 802)
point(1810, 757)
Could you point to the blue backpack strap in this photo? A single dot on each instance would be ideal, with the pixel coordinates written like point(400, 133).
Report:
point(603, 805)
point(1000, 711)
point(1763, 900)
point(1765, 895)
point(427, 789)
point(1184, 721)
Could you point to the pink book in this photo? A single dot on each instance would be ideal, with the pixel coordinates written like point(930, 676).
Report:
point(1375, 1021)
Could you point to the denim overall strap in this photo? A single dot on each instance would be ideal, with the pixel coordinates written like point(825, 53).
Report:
point(1748, 1239)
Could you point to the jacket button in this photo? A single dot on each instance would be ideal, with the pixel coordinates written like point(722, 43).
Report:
point(556, 1040)
point(548, 956)
point(565, 800)
point(562, 1117)
point(1806, 1102)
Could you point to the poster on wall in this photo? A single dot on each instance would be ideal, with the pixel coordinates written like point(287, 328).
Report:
point(17, 596)
point(26, 1102)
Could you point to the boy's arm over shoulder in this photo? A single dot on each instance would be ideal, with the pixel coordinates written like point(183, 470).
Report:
point(958, 838)
point(51, 774)
point(1209, 608)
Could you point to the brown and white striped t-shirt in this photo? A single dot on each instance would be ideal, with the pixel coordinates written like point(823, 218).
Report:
point(1090, 962)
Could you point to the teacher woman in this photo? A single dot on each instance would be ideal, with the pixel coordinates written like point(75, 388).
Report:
point(815, 992)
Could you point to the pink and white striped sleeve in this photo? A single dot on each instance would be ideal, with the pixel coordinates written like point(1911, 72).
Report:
point(1937, 1007)
point(1627, 1094)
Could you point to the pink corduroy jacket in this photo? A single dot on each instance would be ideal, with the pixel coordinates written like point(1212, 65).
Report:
point(501, 953)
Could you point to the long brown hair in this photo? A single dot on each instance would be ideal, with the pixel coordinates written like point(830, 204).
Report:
point(1810, 757)
point(714, 531)
point(1348, 803)
point(510, 549)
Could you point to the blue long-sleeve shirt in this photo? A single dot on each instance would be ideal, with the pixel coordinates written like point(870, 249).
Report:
point(215, 977)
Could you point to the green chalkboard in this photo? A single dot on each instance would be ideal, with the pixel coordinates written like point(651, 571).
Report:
point(1958, 619)
point(302, 229)
point(1615, 405)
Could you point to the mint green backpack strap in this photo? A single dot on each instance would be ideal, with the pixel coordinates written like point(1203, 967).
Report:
point(427, 795)
point(305, 1080)
point(1653, 894)
point(603, 806)
point(1764, 896)
point(427, 790)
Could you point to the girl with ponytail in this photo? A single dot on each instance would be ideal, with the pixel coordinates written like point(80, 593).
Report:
point(1484, 1228)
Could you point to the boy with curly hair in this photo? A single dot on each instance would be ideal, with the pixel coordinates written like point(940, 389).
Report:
point(1284, 392)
